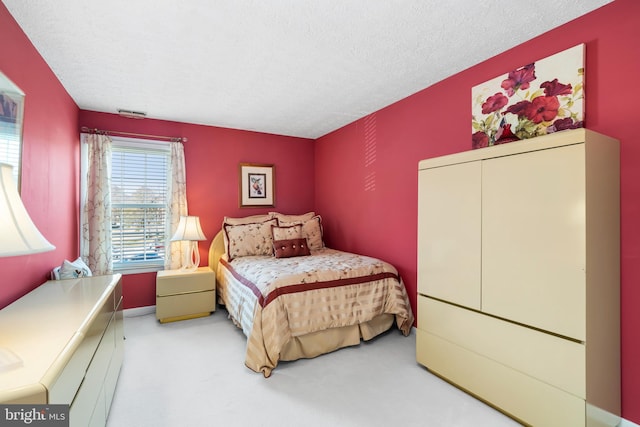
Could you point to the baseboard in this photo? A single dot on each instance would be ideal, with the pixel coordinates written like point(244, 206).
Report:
point(139, 311)
point(627, 423)
point(599, 417)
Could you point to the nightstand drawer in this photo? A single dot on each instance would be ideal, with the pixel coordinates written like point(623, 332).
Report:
point(185, 304)
point(175, 282)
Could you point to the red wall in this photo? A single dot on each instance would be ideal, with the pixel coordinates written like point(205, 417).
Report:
point(380, 218)
point(49, 161)
point(212, 156)
point(365, 174)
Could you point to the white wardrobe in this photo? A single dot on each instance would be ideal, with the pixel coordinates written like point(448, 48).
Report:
point(518, 276)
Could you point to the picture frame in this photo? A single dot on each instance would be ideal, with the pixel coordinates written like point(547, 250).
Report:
point(256, 185)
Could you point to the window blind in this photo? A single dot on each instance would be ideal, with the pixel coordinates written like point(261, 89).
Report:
point(138, 203)
point(10, 146)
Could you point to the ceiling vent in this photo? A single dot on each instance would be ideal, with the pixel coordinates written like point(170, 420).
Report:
point(132, 114)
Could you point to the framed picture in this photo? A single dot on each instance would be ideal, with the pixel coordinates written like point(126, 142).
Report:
point(256, 185)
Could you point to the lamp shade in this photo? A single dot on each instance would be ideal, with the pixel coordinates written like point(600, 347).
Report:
point(189, 229)
point(18, 234)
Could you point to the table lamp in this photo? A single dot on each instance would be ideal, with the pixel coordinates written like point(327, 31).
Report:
point(189, 230)
point(18, 236)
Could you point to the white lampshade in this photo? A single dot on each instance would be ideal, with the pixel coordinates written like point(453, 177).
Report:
point(189, 229)
point(18, 234)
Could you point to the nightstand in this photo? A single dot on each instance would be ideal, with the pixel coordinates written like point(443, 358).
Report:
point(184, 295)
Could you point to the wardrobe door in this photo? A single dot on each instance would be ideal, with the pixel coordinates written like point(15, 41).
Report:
point(533, 239)
point(449, 233)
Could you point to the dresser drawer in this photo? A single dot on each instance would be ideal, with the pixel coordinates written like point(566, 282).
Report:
point(185, 304)
point(175, 282)
point(78, 354)
point(87, 399)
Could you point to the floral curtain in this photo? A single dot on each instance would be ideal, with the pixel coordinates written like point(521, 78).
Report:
point(177, 199)
point(96, 203)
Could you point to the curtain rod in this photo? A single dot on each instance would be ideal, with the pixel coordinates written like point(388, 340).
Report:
point(140, 135)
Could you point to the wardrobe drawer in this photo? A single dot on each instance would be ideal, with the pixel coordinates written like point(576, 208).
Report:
point(549, 358)
point(522, 396)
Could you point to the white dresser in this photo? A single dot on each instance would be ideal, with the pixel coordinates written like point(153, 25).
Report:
point(518, 276)
point(69, 336)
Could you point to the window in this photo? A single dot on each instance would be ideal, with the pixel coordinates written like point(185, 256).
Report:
point(11, 112)
point(139, 179)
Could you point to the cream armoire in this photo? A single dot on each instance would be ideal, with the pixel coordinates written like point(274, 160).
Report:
point(518, 276)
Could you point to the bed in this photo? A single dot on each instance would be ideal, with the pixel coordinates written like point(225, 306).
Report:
point(295, 298)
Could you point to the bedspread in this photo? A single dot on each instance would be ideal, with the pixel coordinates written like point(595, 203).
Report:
point(300, 295)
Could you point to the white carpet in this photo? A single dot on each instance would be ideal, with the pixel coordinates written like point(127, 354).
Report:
point(192, 373)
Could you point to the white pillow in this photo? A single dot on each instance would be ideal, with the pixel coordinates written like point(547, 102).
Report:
point(75, 269)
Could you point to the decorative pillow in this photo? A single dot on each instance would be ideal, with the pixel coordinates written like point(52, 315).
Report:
point(248, 219)
point(252, 219)
point(75, 269)
point(290, 248)
point(287, 232)
point(312, 231)
point(287, 219)
point(249, 239)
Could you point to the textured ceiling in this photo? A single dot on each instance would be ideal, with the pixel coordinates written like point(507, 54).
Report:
point(289, 67)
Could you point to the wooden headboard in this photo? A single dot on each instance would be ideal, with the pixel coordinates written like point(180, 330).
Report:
point(216, 250)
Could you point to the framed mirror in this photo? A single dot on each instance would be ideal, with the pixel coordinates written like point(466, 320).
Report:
point(11, 116)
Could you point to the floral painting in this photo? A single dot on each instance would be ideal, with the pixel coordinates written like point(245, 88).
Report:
point(539, 98)
point(257, 185)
